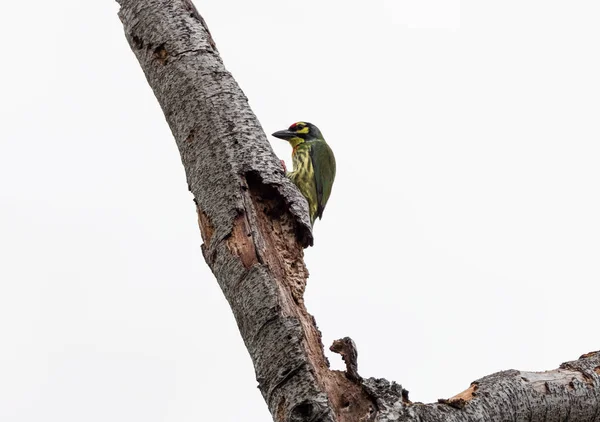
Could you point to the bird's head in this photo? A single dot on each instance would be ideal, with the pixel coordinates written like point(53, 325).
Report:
point(298, 133)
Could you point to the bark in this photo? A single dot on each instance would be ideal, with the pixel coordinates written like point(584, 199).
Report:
point(254, 224)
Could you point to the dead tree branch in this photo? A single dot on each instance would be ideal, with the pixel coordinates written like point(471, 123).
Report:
point(254, 225)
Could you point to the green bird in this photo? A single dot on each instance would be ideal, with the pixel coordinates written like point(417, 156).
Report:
point(314, 165)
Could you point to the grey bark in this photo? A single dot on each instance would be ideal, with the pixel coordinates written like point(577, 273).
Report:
point(254, 224)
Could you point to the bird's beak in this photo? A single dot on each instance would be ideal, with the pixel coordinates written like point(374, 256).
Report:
point(285, 134)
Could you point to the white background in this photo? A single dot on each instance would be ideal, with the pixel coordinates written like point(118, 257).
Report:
point(461, 238)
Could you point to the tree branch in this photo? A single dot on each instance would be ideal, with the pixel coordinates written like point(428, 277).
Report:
point(254, 224)
point(253, 220)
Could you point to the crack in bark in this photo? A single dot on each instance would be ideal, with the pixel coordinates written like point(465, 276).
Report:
point(285, 376)
point(191, 50)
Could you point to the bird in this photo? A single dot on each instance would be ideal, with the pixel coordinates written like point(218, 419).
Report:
point(314, 165)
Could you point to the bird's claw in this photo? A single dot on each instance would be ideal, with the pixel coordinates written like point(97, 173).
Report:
point(283, 165)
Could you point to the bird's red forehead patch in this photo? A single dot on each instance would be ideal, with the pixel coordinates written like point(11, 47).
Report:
point(293, 126)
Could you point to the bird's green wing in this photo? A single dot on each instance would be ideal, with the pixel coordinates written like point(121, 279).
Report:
point(323, 163)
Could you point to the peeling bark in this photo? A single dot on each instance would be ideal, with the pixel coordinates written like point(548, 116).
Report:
point(254, 224)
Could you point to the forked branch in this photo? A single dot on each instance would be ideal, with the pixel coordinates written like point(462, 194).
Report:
point(254, 224)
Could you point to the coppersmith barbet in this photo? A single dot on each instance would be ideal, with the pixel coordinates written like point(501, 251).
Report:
point(314, 165)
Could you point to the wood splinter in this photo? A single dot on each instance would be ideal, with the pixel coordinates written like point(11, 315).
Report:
point(347, 348)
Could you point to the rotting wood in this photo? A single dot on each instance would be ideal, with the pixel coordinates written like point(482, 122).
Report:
point(460, 400)
point(240, 242)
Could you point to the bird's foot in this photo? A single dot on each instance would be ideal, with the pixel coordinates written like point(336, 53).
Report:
point(283, 165)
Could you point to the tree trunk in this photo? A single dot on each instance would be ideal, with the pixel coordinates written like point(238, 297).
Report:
point(255, 225)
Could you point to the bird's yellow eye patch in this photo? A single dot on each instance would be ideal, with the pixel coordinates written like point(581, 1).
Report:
point(303, 130)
